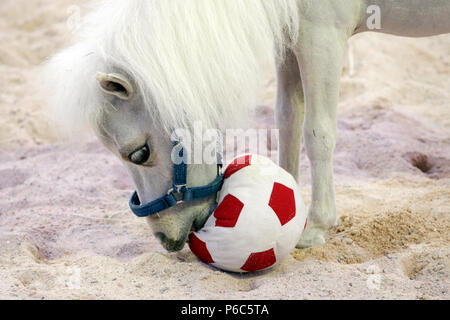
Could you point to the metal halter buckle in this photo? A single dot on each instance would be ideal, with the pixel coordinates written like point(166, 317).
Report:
point(177, 192)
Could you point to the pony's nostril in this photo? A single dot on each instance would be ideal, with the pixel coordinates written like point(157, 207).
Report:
point(141, 155)
point(160, 236)
point(170, 244)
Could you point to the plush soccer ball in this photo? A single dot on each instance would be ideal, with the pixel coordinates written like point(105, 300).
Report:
point(259, 219)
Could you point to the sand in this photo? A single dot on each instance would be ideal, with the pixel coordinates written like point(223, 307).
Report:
point(66, 231)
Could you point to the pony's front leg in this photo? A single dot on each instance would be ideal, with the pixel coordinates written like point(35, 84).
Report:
point(290, 112)
point(320, 57)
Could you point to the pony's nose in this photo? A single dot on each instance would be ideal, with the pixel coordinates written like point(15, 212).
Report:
point(170, 245)
point(140, 156)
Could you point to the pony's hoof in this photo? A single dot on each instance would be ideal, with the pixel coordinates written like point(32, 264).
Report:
point(311, 238)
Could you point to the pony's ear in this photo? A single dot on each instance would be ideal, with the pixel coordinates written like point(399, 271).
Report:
point(115, 84)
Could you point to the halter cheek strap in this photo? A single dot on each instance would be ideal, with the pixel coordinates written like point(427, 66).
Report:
point(179, 192)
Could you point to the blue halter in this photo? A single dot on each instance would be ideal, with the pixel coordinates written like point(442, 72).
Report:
point(179, 192)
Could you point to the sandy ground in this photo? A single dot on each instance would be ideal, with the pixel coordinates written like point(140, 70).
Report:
point(66, 231)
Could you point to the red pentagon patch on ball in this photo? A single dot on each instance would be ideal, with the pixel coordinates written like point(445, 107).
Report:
point(199, 248)
point(238, 164)
point(259, 261)
point(282, 201)
point(228, 211)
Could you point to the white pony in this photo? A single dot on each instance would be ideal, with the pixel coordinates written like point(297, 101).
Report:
point(142, 68)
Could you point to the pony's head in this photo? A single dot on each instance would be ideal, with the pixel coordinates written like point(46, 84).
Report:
point(145, 148)
point(143, 69)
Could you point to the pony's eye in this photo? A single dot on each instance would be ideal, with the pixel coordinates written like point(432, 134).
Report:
point(140, 156)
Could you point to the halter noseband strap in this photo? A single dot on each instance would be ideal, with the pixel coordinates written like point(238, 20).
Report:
point(179, 192)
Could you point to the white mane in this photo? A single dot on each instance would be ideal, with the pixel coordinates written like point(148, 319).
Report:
point(191, 59)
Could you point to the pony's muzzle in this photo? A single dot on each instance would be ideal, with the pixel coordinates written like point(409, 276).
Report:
point(171, 245)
